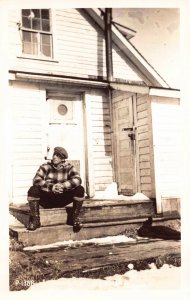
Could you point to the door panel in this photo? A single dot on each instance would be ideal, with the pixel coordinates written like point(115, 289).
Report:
point(65, 129)
point(124, 146)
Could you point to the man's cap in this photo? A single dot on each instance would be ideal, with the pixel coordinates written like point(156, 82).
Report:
point(61, 151)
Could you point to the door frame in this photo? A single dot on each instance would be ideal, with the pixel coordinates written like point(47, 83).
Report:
point(81, 97)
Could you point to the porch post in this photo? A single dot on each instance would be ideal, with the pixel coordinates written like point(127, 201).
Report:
point(109, 70)
point(108, 39)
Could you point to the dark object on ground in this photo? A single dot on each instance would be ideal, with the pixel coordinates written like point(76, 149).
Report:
point(159, 231)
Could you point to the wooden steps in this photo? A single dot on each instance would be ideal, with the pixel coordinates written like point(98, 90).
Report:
point(51, 234)
point(100, 218)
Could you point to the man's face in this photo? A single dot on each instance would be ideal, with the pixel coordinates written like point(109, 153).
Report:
point(57, 159)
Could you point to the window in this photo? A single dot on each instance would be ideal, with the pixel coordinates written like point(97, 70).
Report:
point(36, 32)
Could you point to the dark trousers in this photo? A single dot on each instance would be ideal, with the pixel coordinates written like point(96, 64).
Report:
point(51, 200)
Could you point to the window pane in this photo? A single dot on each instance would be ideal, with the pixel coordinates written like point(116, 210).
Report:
point(46, 50)
point(45, 14)
point(36, 13)
point(25, 12)
point(27, 49)
point(46, 45)
point(30, 48)
point(36, 24)
point(26, 22)
point(30, 43)
point(34, 43)
point(34, 38)
point(26, 36)
point(45, 39)
point(35, 48)
point(45, 25)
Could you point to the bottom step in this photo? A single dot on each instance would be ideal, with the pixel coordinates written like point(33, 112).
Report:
point(51, 234)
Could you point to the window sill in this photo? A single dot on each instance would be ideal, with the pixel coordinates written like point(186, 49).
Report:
point(38, 58)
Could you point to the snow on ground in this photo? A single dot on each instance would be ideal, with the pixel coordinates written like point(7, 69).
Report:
point(168, 277)
point(100, 241)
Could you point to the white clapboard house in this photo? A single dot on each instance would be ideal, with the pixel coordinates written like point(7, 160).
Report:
point(76, 80)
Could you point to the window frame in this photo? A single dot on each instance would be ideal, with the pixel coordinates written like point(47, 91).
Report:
point(39, 54)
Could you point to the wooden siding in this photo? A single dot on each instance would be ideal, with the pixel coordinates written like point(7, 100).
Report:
point(27, 137)
point(145, 169)
point(167, 146)
point(99, 140)
point(121, 69)
point(78, 47)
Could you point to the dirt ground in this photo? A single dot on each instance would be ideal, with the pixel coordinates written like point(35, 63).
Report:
point(27, 268)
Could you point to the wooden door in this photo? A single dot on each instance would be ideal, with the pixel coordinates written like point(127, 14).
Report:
point(124, 139)
point(65, 128)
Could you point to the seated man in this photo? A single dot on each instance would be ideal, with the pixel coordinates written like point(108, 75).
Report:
point(55, 184)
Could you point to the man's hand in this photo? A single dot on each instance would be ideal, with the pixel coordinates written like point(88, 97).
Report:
point(57, 188)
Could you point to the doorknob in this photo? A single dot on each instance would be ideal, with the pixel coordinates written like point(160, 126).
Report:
point(132, 136)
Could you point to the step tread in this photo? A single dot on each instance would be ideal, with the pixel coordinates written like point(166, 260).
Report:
point(51, 234)
point(89, 213)
point(89, 203)
point(21, 227)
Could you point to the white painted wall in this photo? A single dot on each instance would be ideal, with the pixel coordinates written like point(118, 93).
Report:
point(99, 141)
point(27, 103)
point(167, 148)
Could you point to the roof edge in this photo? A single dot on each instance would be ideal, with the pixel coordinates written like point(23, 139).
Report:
point(142, 65)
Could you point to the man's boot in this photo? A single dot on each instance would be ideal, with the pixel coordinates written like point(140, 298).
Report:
point(34, 218)
point(77, 205)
